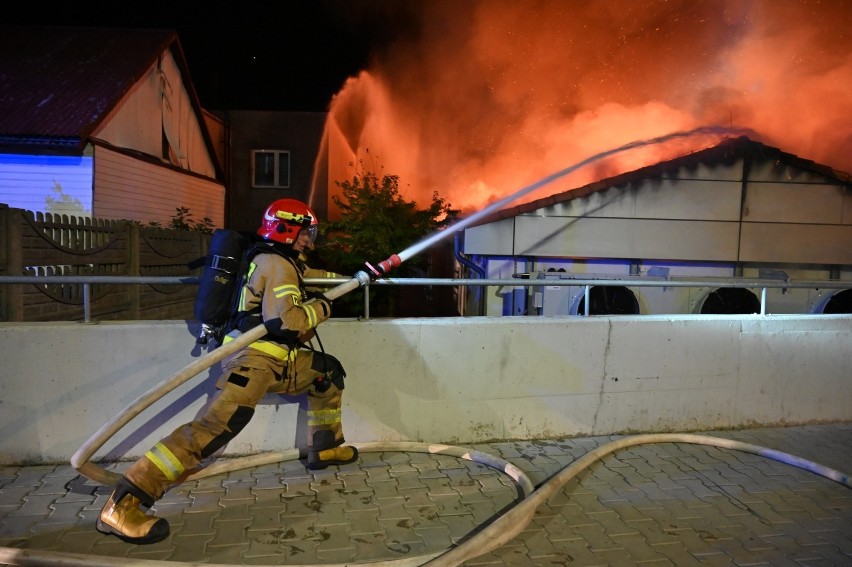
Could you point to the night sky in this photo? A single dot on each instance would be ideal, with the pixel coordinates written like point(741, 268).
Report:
point(284, 55)
point(459, 92)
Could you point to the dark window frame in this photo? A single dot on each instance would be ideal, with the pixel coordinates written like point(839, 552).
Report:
point(266, 169)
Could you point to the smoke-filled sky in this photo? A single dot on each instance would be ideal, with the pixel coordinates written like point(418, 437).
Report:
point(478, 98)
point(481, 98)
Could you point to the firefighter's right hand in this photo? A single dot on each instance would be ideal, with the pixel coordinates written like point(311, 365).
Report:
point(325, 305)
point(318, 295)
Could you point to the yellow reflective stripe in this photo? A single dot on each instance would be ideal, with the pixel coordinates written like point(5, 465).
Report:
point(243, 305)
point(297, 218)
point(166, 461)
point(312, 315)
point(284, 290)
point(324, 417)
point(270, 348)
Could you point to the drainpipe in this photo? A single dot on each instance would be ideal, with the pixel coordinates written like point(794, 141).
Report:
point(471, 266)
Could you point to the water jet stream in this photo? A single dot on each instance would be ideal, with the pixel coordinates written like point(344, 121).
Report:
point(496, 205)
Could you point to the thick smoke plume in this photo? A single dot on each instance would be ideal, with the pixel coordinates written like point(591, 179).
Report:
point(482, 97)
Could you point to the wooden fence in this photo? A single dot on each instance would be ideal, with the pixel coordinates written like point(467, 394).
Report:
point(43, 244)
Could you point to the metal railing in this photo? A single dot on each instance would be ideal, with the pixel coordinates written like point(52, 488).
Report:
point(587, 283)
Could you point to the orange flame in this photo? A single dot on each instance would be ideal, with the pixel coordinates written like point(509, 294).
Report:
point(492, 95)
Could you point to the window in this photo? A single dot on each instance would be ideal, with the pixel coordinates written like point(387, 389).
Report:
point(270, 169)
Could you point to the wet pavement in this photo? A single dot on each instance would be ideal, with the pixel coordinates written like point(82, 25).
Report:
point(652, 505)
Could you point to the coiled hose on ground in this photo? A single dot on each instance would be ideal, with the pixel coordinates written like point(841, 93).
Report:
point(502, 530)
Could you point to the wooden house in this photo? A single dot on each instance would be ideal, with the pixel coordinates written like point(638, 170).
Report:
point(105, 123)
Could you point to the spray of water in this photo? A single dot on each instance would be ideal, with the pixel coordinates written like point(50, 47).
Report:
point(436, 237)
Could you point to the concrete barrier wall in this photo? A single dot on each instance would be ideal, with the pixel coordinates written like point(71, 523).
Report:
point(457, 381)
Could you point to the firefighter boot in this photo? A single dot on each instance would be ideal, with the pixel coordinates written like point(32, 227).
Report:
point(123, 517)
point(326, 451)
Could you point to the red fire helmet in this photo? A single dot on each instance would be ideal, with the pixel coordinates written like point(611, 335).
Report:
point(285, 218)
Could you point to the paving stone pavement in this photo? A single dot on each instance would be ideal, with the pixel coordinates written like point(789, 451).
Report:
point(650, 505)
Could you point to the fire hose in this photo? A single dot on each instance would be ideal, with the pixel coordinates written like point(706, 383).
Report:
point(499, 532)
point(81, 459)
point(502, 530)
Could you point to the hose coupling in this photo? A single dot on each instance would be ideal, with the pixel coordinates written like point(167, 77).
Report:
point(362, 277)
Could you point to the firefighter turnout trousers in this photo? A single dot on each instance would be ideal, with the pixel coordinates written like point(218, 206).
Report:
point(246, 379)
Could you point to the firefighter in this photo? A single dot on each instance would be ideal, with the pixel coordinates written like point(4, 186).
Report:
point(273, 295)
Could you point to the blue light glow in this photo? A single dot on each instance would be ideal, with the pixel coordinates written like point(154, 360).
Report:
point(55, 184)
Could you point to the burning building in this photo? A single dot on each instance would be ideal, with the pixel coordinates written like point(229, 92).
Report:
point(479, 98)
point(476, 99)
point(740, 209)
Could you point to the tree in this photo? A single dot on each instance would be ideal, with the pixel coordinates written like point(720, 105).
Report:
point(376, 222)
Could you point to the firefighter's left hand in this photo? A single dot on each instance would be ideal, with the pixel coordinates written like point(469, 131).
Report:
point(321, 300)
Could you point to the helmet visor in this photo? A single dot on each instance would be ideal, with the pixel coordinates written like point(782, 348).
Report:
point(311, 231)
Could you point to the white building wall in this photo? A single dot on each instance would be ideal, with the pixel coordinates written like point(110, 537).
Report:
point(136, 122)
point(780, 218)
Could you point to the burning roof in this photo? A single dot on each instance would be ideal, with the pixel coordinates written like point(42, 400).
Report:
point(727, 152)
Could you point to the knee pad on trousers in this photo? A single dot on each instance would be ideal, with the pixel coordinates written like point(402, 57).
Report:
point(238, 421)
point(331, 369)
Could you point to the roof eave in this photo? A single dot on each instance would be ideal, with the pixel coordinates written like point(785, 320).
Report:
point(52, 145)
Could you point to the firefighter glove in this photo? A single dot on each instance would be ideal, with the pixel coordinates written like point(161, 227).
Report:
point(318, 296)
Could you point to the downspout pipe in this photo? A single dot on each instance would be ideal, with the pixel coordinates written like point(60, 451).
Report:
point(462, 259)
